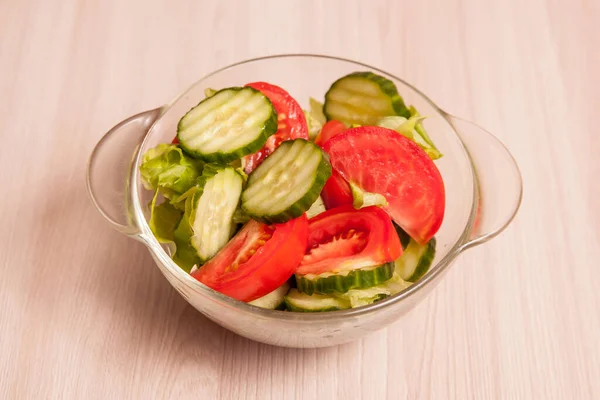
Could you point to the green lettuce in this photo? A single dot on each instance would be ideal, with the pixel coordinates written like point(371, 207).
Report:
point(209, 92)
point(185, 255)
point(366, 199)
point(316, 208)
point(315, 119)
point(167, 169)
point(362, 297)
point(164, 218)
point(413, 129)
point(316, 110)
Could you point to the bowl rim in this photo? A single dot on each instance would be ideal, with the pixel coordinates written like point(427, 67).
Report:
point(188, 281)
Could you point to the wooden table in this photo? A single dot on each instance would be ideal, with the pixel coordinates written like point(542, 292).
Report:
point(84, 313)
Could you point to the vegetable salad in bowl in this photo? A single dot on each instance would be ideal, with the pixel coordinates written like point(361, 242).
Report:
point(330, 208)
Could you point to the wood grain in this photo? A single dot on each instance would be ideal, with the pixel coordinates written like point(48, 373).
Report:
point(85, 314)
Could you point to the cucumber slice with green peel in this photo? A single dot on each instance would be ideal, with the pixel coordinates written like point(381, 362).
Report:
point(274, 300)
point(342, 282)
point(287, 183)
point(416, 260)
point(213, 207)
point(403, 236)
point(302, 302)
point(231, 123)
point(363, 98)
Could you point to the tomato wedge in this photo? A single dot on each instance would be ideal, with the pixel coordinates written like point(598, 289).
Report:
point(257, 260)
point(291, 122)
point(344, 238)
point(379, 160)
point(336, 191)
point(329, 130)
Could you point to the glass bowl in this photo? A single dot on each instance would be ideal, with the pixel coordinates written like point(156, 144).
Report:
point(482, 180)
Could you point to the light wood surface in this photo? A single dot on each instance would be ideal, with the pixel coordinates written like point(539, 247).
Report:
point(84, 313)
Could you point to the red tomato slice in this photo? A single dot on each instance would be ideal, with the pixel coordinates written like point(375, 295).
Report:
point(329, 130)
point(257, 260)
point(344, 238)
point(379, 160)
point(175, 140)
point(291, 122)
point(336, 191)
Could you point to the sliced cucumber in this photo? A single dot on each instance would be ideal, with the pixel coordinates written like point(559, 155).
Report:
point(274, 300)
point(287, 183)
point(292, 282)
point(341, 282)
point(363, 98)
point(403, 236)
point(302, 302)
point(416, 260)
point(214, 205)
point(230, 124)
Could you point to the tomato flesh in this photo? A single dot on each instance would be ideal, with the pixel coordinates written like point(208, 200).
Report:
point(344, 238)
point(336, 191)
point(291, 122)
point(329, 130)
point(257, 260)
point(379, 160)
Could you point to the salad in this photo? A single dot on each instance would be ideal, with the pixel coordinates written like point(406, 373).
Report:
point(324, 209)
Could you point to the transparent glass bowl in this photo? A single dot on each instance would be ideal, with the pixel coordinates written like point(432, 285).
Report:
point(482, 180)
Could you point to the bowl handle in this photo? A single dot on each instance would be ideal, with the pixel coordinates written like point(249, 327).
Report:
point(109, 171)
point(498, 181)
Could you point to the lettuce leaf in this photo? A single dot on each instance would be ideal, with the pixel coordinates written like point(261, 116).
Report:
point(362, 297)
point(316, 110)
point(316, 208)
point(366, 199)
point(209, 92)
point(423, 138)
point(314, 127)
point(413, 129)
point(167, 169)
point(315, 119)
point(185, 254)
point(164, 218)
